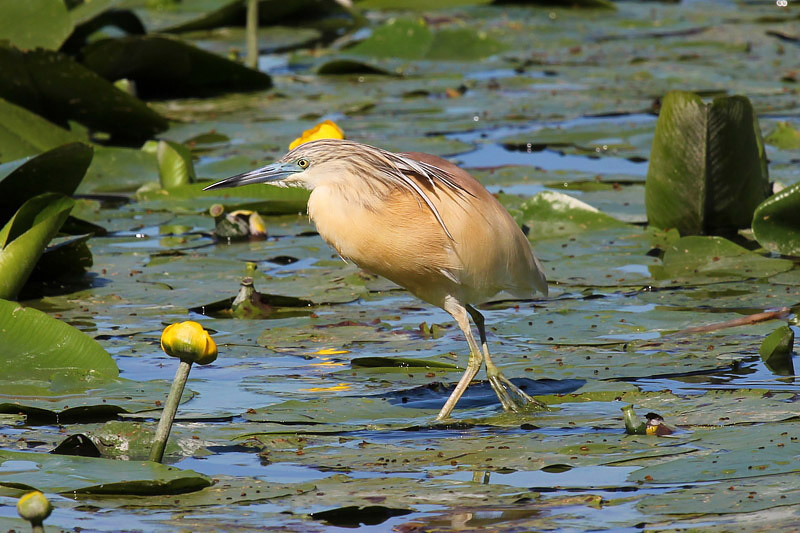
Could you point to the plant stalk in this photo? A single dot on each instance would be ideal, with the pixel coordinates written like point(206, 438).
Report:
point(251, 33)
point(168, 414)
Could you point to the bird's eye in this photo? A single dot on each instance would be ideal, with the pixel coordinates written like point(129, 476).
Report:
point(302, 163)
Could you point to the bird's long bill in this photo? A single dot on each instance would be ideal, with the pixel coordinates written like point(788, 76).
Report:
point(273, 172)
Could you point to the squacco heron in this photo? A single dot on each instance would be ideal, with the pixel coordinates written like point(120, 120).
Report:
point(421, 222)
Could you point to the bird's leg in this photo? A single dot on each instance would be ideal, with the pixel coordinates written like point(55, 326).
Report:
point(502, 386)
point(475, 357)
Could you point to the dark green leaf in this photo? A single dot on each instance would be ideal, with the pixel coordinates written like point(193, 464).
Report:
point(23, 133)
point(776, 351)
point(398, 362)
point(91, 475)
point(79, 95)
point(776, 222)
point(350, 66)
point(168, 67)
point(707, 169)
point(59, 170)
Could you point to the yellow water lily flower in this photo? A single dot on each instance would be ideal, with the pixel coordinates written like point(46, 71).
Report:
point(323, 130)
point(189, 342)
point(34, 507)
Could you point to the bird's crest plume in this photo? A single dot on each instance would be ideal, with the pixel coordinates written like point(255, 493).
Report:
point(392, 169)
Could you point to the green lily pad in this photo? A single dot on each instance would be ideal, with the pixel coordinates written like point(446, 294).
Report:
point(749, 452)
point(25, 236)
point(169, 67)
point(265, 199)
point(118, 169)
point(80, 95)
point(708, 171)
point(784, 136)
point(776, 222)
point(413, 39)
point(554, 215)
point(716, 257)
point(741, 496)
point(34, 24)
point(40, 346)
point(88, 475)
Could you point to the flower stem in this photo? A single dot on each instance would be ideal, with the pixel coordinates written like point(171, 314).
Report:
point(168, 414)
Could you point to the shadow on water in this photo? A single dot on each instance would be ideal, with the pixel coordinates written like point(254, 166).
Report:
point(478, 394)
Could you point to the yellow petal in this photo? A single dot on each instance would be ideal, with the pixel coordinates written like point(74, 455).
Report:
point(329, 351)
point(189, 342)
point(323, 130)
point(335, 388)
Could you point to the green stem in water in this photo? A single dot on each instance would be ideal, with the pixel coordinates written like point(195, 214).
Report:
point(251, 32)
point(37, 528)
point(168, 414)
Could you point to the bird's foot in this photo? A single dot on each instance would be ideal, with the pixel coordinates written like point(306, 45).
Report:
point(511, 397)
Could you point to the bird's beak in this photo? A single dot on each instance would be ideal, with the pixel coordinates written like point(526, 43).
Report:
point(273, 172)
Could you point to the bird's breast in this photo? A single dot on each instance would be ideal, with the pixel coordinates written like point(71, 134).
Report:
point(395, 236)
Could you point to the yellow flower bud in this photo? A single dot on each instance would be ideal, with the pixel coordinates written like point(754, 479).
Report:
point(34, 507)
point(189, 342)
point(323, 130)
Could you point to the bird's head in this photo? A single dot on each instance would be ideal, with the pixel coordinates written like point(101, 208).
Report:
point(306, 166)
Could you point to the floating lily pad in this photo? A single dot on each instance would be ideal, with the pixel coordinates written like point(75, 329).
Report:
point(87, 475)
point(716, 257)
point(749, 452)
point(784, 136)
point(413, 39)
point(553, 215)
